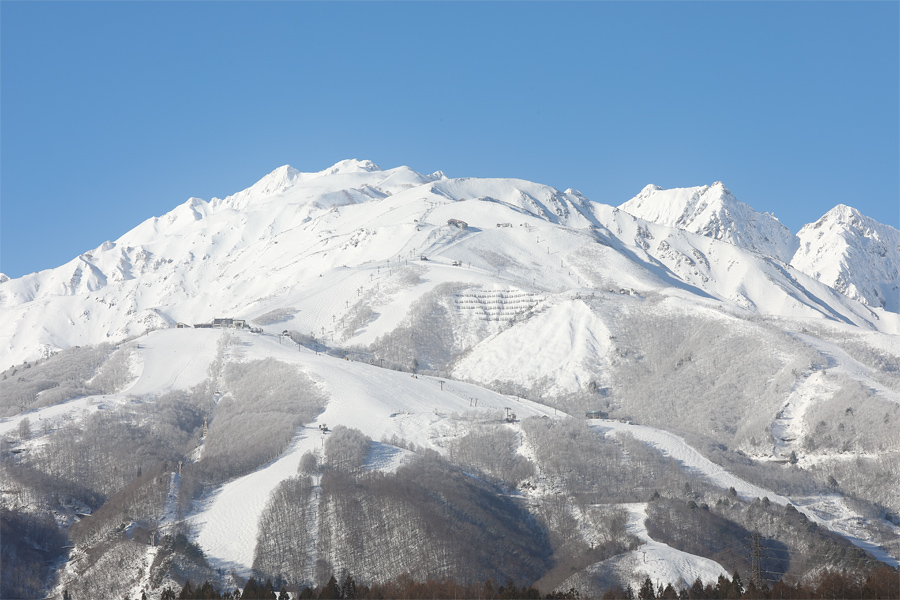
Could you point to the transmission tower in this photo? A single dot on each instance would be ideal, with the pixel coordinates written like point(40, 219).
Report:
point(756, 559)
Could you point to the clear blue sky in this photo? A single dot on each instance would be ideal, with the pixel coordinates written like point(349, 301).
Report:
point(113, 112)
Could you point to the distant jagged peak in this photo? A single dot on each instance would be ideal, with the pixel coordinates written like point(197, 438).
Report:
point(854, 254)
point(279, 180)
point(713, 211)
point(4, 278)
point(848, 218)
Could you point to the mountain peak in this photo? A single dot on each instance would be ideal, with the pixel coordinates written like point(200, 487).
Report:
point(854, 254)
point(351, 165)
point(847, 218)
point(280, 179)
point(648, 190)
point(713, 211)
point(840, 214)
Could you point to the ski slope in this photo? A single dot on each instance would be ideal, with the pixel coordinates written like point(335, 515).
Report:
point(174, 359)
point(841, 362)
point(661, 562)
point(378, 402)
point(382, 403)
point(827, 511)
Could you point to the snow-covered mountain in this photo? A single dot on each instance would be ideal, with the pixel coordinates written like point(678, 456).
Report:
point(713, 211)
point(854, 254)
point(292, 236)
point(845, 250)
point(421, 311)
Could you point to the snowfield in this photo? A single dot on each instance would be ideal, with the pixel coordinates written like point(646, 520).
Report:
point(174, 359)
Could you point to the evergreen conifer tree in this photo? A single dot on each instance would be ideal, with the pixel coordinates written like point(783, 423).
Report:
point(331, 591)
point(737, 586)
point(647, 592)
point(250, 590)
point(348, 588)
point(187, 592)
point(697, 591)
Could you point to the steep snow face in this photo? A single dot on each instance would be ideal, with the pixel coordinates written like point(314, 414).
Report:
point(713, 211)
point(855, 255)
point(566, 345)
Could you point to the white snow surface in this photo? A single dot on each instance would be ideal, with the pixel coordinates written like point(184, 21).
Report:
point(566, 343)
point(846, 250)
point(174, 359)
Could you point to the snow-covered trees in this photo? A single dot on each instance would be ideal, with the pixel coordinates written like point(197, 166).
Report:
point(492, 450)
point(285, 545)
point(255, 422)
point(67, 374)
point(428, 519)
point(346, 449)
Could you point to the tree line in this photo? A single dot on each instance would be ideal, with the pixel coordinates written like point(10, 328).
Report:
point(878, 584)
